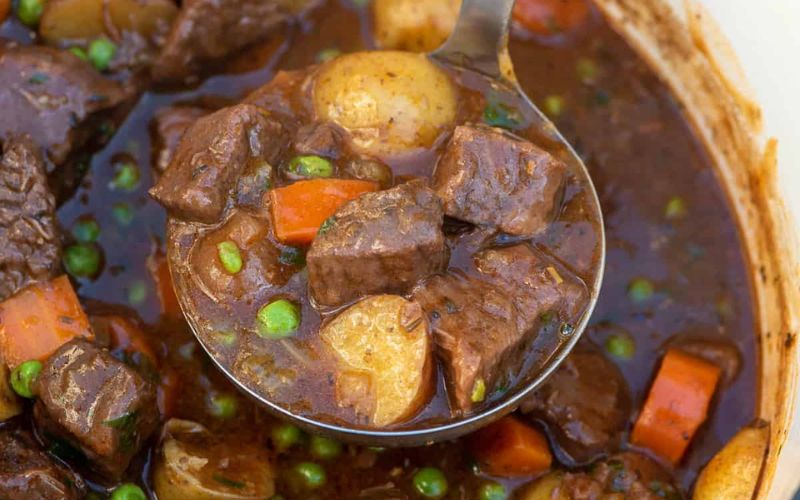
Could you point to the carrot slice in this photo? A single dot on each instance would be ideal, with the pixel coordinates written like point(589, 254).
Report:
point(676, 405)
point(298, 210)
point(39, 319)
point(510, 448)
point(551, 17)
point(159, 270)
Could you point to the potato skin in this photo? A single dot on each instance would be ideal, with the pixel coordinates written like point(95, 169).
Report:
point(382, 349)
point(390, 102)
point(415, 25)
point(734, 471)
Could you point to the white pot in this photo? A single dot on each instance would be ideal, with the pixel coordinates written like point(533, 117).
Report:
point(683, 40)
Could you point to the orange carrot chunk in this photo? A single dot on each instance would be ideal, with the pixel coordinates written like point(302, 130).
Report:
point(551, 17)
point(298, 210)
point(676, 405)
point(5, 7)
point(39, 319)
point(510, 448)
point(159, 271)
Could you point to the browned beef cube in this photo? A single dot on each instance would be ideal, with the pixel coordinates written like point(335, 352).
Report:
point(211, 156)
point(624, 475)
point(168, 126)
point(97, 404)
point(26, 472)
point(383, 242)
point(477, 331)
point(324, 139)
point(30, 246)
point(483, 325)
point(541, 287)
point(52, 96)
point(585, 404)
point(490, 177)
point(206, 31)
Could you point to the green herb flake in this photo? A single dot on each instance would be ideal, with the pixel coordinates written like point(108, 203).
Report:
point(38, 78)
point(675, 208)
point(123, 214)
point(586, 70)
point(326, 55)
point(501, 115)
point(137, 293)
point(126, 425)
point(292, 256)
point(327, 225)
point(230, 483)
point(554, 105)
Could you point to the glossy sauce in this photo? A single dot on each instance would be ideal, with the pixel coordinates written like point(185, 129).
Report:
point(640, 152)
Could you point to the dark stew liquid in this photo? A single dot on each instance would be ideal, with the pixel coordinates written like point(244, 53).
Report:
point(674, 269)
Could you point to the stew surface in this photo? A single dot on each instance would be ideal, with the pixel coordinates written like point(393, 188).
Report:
point(675, 293)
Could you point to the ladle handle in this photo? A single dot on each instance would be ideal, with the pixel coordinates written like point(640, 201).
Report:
point(480, 35)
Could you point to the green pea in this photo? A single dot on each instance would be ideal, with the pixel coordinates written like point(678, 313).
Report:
point(328, 54)
point(126, 177)
point(640, 290)
point(278, 320)
point(285, 436)
point(586, 70)
point(430, 483)
point(324, 448)
point(492, 491)
point(223, 406)
point(128, 491)
point(30, 11)
point(478, 391)
point(311, 166)
point(23, 378)
point(313, 475)
point(554, 105)
point(137, 293)
point(620, 346)
point(79, 53)
point(123, 213)
point(101, 52)
point(500, 115)
point(676, 208)
point(229, 255)
point(82, 261)
point(86, 230)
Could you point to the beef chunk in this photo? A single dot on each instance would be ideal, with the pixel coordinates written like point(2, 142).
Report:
point(206, 31)
point(261, 266)
point(627, 475)
point(324, 139)
point(26, 472)
point(490, 177)
point(168, 127)
point(585, 404)
point(542, 288)
point(54, 97)
point(478, 333)
point(383, 242)
point(97, 404)
point(210, 157)
point(483, 325)
point(31, 246)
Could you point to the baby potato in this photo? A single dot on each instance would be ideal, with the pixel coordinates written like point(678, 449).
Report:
point(382, 351)
point(193, 464)
point(734, 470)
point(390, 102)
point(415, 25)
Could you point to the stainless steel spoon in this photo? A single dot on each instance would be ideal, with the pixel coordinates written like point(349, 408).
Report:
point(472, 55)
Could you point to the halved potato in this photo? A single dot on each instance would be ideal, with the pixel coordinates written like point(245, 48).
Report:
point(10, 404)
point(415, 25)
point(734, 471)
point(390, 102)
point(382, 350)
point(76, 20)
point(194, 464)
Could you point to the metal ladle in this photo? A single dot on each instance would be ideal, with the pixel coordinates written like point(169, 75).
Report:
point(472, 55)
